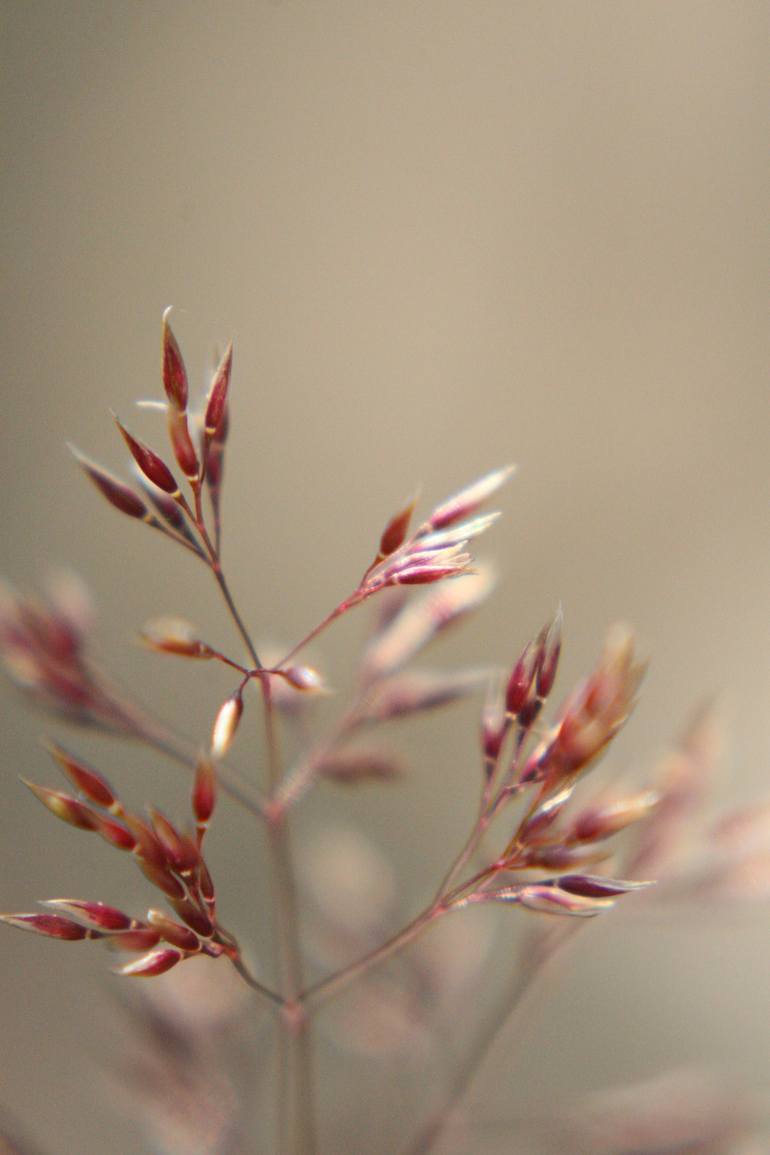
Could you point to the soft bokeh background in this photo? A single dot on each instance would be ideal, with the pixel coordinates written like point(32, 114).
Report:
point(444, 236)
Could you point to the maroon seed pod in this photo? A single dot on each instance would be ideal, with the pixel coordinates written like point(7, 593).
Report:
point(173, 368)
point(468, 500)
point(50, 925)
point(90, 782)
point(97, 915)
point(118, 494)
point(204, 794)
point(114, 832)
point(173, 932)
point(597, 886)
point(170, 512)
point(548, 657)
point(148, 847)
point(181, 443)
point(422, 575)
point(140, 938)
point(157, 962)
point(163, 878)
point(64, 806)
point(195, 918)
point(205, 884)
point(181, 851)
point(217, 403)
point(152, 466)
point(394, 534)
point(520, 683)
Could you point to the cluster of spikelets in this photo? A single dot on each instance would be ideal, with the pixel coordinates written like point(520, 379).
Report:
point(522, 760)
point(171, 859)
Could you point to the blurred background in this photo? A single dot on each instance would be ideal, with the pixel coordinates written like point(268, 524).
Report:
point(444, 236)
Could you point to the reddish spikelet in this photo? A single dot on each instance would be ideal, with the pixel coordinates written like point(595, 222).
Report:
point(205, 884)
point(181, 443)
point(119, 495)
point(163, 878)
point(469, 500)
point(151, 465)
point(50, 925)
point(141, 938)
point(173, 368)
point(216, 407)
point(170, 512)
point(596, 886)
point(548, 656)
point(66, 807)
point(180, 850)
point(147, 846)
point(600, 822)
point(195, 918)
point(394, 534)
point(175, 636)
point(518, 690)
point(97, 915)
point(173, 932)
point(87, 780)
point(226, 724)
point(157, 962)
point(204, 794)
point(114, 832)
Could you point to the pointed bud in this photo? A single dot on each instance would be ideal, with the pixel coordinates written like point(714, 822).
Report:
point(152, 466)
point(173, 932)
point(50, 925)
point(174, 372)
point(163, 878)
point(118, 494)
point(597, 886)
point(548, 656)
point(520, 683)
point(394, 534)
point(90, 782)
point(204, 795)
point(226, 724)
point(195, 918)
point(181, 850)
point(114, 832)
point(169, 635)
point(94, 914)
point(182, 444)
point(138, 939)
point(157, 962)
point(467, 501)
point(599, 822)
point(217, 402)
point(64, 806)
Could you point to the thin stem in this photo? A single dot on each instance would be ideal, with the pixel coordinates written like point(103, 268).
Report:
point(349, 603)
point(541, 953)
point(333, 983)
point(254, 983)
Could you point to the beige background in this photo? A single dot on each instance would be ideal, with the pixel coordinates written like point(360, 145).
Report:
point(444, 236)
